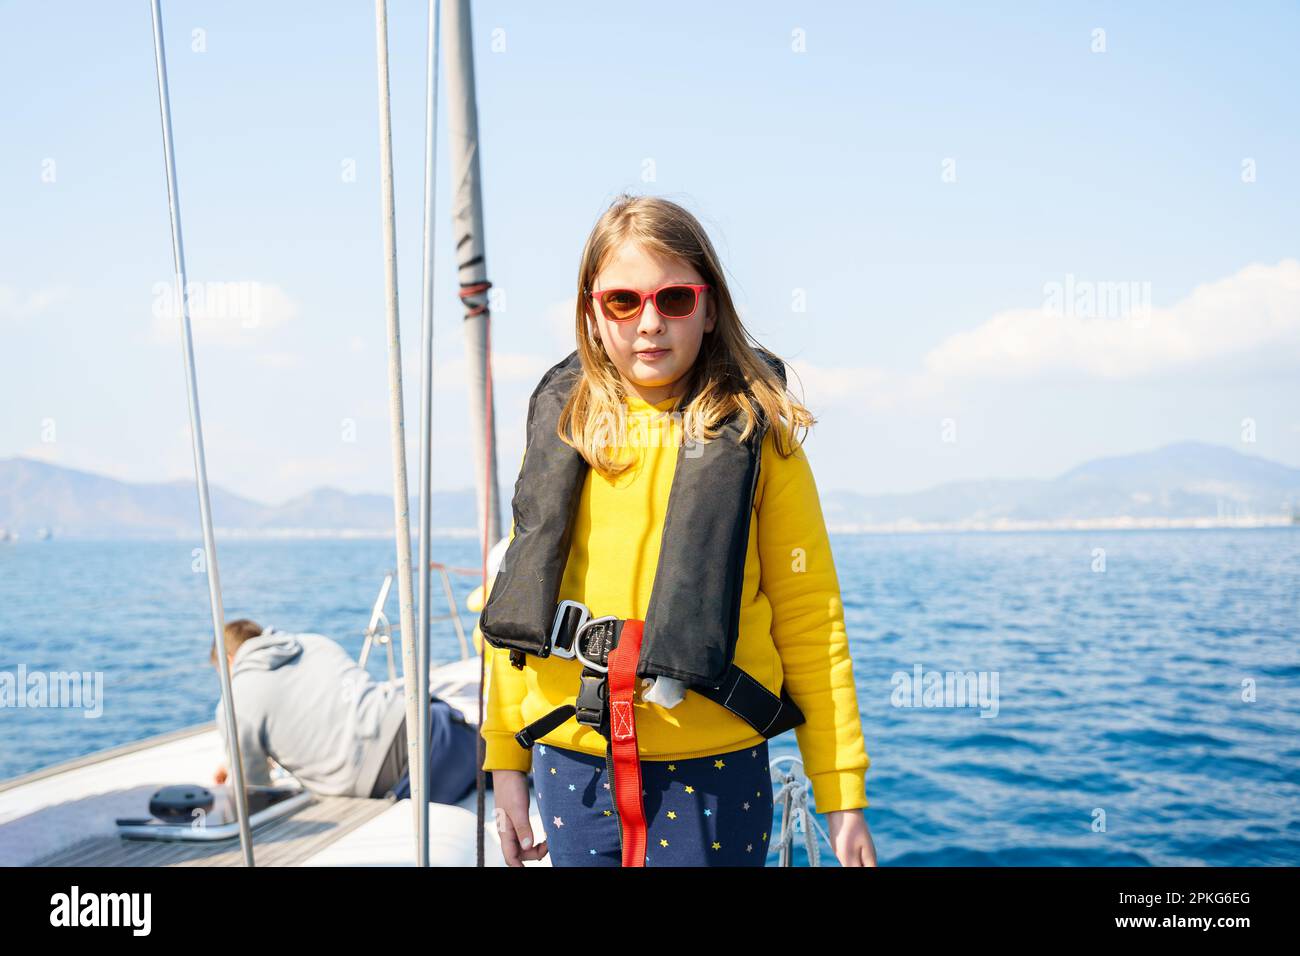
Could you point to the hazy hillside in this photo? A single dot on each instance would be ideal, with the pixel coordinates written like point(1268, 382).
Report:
point(35, 495)
point(1183, 481)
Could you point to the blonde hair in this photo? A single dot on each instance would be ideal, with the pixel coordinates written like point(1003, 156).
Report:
point(728, 375)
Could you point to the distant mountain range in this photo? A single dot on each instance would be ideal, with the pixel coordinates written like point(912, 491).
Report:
point(36, 496)
point(1189, 483)
point(1183, 484)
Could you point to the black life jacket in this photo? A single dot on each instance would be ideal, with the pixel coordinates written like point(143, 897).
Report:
point(692, 623)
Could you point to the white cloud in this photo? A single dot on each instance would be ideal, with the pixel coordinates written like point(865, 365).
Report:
point(875, 388)
point(1252, 317)
point(235, 312)
point(1255, 311)
point(279, 360)
point(15, 307)
point(506, 367)
point(559, 320)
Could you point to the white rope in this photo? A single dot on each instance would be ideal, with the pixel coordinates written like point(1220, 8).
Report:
point(796, 818)
point(797, 821)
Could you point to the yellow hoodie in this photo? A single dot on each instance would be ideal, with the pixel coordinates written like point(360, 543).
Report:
point(791, 621)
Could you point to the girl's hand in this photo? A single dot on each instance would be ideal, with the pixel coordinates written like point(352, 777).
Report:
point(850, 838)
point(516, 830)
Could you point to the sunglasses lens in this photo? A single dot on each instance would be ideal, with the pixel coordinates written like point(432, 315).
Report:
point(621, 304)
point(675, 302)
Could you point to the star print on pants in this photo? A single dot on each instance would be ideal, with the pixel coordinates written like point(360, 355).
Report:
point(558, 822)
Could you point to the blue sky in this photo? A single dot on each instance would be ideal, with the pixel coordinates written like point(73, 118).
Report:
point(894, 204)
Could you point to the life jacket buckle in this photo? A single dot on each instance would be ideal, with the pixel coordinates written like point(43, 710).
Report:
point(592, 701)
point(559, 628)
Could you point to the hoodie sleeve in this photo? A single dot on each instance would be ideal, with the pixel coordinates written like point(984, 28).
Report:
point(253, 755)
point(503, 698)
point(799, 578)
point(502, 720)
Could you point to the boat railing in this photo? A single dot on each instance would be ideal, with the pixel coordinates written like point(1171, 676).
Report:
point(379, 630)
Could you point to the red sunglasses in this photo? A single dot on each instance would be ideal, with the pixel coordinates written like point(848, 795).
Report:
point(676, 301)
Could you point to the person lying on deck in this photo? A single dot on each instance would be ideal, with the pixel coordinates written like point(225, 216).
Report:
point(302, 701)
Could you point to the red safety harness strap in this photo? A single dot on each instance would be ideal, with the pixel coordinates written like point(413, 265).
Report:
point(622, 743)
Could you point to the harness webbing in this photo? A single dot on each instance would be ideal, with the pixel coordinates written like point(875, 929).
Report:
point(625, 780)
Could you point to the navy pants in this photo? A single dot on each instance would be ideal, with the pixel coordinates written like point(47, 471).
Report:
point(706, 811)
point(453, 756)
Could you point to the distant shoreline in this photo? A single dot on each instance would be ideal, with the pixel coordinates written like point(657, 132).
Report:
point(918, 528)
point(1072, 524)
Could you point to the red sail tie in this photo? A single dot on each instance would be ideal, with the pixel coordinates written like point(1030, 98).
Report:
point(622, 738)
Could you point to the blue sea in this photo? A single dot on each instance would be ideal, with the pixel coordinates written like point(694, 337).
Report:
point(1141, 689)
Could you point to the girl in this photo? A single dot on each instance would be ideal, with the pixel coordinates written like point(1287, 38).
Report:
point(655, 322)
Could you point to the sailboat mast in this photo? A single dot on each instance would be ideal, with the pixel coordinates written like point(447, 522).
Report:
point(196, 439)
point(471, 255)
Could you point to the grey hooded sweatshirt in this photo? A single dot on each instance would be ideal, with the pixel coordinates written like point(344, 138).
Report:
point(302, 700)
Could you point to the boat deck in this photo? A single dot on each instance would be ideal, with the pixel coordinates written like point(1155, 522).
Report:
point(291, 841)
point(65, 815)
